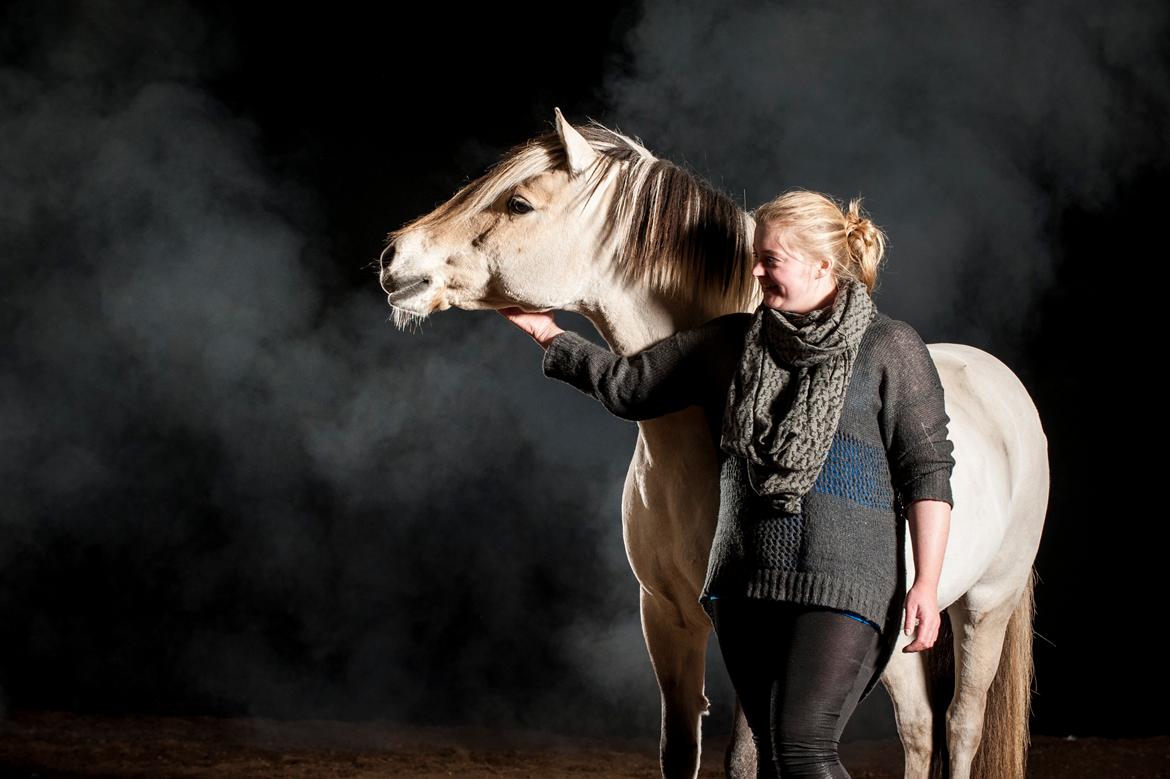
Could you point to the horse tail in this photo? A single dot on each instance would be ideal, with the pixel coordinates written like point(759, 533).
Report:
point(1003, 749)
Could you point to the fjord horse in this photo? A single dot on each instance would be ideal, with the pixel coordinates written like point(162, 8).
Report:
point(586, 219)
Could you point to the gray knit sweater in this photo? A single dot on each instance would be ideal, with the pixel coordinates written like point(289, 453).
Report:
point(890, 449)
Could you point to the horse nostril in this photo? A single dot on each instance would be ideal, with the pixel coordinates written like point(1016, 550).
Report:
point(386, 259)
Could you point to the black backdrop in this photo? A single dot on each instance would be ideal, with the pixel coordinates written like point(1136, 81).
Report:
point(230, 485)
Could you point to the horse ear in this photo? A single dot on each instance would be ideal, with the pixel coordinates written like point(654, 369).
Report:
point(581, 155)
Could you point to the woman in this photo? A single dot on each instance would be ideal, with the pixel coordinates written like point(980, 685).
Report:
point(831, 427)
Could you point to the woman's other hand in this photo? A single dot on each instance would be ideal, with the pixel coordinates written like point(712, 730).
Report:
point(539, 324)
point(922, 606)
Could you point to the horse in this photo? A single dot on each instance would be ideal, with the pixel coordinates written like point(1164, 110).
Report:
point(587, 219)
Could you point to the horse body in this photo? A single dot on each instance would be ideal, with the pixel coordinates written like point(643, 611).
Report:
point(1000, 461)
point(671, 492)
point(1000, 484)
point(587, 220)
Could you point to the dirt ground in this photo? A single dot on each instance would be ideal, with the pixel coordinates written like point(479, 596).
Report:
point(52, 745)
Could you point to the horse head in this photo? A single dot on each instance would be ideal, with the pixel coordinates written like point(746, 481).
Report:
point(580, 219)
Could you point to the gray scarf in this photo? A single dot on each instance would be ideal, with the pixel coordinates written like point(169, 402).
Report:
point(785, 402)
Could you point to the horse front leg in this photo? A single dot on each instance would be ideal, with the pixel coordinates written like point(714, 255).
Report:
point(907, 681)
point(741, 757)
point(676, 638)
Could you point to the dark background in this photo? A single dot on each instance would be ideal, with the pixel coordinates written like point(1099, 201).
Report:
point(230, 485)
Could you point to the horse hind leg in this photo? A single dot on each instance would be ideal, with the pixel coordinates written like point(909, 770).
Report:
point(677, 643)
point(993, 665)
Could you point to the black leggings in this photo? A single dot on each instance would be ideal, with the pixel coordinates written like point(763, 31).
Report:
point(799, 672)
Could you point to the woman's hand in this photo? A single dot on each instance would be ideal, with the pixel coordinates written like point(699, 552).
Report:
point(539, 324)
point(922, 609)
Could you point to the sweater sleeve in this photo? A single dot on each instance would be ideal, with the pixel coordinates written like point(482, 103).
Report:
point(914, 420)
point(662, 379)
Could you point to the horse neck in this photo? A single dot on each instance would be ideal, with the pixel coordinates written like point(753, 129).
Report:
point(632, 316)
point(633, 319)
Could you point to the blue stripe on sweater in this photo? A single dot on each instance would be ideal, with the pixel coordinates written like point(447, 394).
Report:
point(857, 471)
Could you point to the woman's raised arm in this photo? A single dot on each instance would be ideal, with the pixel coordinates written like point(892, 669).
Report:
point(666, 377)
point(662, 379)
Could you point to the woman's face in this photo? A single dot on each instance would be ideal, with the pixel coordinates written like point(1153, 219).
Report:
point(790, 280)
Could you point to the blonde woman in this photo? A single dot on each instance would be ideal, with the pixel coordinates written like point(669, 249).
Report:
point(831, 428)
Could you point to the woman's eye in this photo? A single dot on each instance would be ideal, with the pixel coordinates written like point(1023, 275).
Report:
point(518, 206)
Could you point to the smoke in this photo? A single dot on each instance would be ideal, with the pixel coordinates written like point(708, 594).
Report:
point(967, 129)
point(229, 483)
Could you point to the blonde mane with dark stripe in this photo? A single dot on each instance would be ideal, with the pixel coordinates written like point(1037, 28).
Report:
point(677, 233)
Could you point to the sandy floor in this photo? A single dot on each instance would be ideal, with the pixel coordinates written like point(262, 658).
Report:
point(47, 745)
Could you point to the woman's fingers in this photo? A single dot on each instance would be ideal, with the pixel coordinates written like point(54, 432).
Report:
point(535, 323)
point(513, 314)
point(522, 319)
point(927, 632)
point(911, 618)
point(922, 617)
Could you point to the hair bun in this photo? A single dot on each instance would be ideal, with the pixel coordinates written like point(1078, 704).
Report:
point(858, 226)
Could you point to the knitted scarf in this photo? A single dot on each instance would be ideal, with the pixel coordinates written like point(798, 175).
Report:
point(785, 401)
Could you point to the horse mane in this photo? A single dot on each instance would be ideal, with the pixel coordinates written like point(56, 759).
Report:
point(685, 238)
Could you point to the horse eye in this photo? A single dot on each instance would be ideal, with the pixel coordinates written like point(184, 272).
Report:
point(518, 206)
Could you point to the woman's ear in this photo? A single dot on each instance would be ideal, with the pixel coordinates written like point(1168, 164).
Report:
point(824, 268)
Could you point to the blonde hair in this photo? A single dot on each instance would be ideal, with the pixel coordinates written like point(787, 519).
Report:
point(820, 227)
